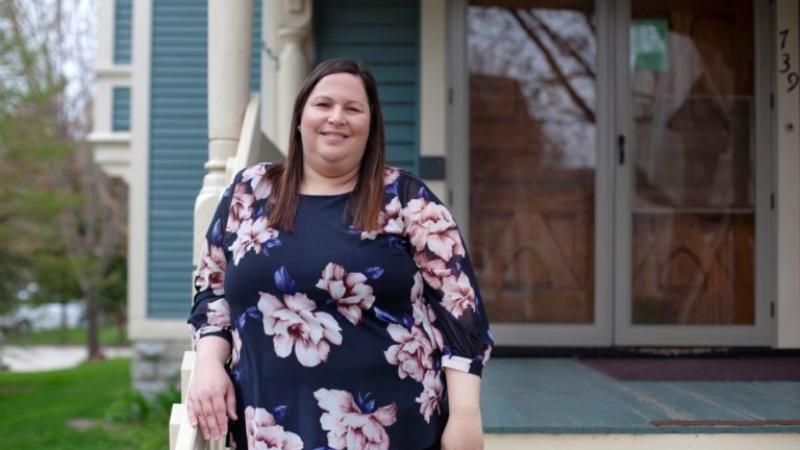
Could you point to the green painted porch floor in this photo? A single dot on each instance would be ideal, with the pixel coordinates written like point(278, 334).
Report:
point(560, 395)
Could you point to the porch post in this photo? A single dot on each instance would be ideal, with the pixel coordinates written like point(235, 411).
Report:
point(294, 32)
point(230, 24)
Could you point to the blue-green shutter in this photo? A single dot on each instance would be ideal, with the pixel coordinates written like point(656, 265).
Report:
point(121, 108)
point(178, 145)
point(123, 29)
point(384, 35)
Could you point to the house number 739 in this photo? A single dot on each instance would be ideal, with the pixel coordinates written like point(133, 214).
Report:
point(792, 77)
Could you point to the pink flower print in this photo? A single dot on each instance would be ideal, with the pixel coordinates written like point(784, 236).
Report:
point(241, 207)
point(413, 353)
point(458, 295)
point(430, 225)
point(264, 432)
point(218, 313)
point(390, 220)
point(295, 326)
point(251, 236)
point(390, 174)
point(350, 291)
point(259, 183)
point(236, 351)
point(352, 426)
point(392, 217)
point(423, 314)
point(210, 273)
point(432, 389)
point(434, 269)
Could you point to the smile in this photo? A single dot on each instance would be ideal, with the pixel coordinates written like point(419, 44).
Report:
point(333, 134)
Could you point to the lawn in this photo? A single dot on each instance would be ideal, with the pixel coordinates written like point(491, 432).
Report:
point(75, 336)
point(66, 409)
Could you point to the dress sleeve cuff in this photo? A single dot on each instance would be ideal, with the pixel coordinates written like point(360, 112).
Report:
point(211, 330)
point(459, 363)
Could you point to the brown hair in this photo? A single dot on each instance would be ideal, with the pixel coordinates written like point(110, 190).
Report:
point(366, 200)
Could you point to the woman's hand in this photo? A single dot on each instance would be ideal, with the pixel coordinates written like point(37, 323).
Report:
point(211, 399)
point(464, 431)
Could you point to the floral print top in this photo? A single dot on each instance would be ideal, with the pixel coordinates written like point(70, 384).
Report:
point(339, 336)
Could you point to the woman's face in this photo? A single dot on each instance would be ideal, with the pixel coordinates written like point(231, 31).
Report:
point(334, 126)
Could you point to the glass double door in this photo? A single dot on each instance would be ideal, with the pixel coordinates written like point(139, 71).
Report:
point(619, 170)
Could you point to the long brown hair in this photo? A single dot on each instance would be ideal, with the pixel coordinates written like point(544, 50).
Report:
point(366, 199)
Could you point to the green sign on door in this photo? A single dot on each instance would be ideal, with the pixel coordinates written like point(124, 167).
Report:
point(649, 44)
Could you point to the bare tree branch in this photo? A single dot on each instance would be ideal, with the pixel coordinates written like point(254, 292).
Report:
point(563, 45)
point(587, 112)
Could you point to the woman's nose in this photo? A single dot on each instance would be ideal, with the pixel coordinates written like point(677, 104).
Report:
point(336, 116)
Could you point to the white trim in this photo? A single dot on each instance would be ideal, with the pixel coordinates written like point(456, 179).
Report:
point(119, 71)
point(139, 326)
point(787, 106)
point(113, 137)
point(105, 31)
point(655, 441)
point(110, 149)
point(459, 363)
point(432, 89)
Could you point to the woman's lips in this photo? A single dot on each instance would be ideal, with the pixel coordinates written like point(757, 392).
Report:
point(333, 136)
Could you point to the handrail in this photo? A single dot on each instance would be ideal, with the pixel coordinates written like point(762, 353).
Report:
point(182, 435)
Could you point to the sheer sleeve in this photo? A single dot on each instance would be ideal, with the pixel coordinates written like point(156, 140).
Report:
point(450, 288)
point(210, 314)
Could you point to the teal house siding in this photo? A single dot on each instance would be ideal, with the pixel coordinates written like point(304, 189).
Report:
point(384, 35)
point(123, 27)
point(178, 146)
point(121, 109)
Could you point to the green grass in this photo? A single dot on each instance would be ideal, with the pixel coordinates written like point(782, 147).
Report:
point(75, 336)
point(36, 410)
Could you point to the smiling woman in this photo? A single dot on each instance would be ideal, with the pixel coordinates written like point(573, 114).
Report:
point(337, 294)
point(334, 128)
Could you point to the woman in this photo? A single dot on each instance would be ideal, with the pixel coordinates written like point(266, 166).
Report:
point(338, 293)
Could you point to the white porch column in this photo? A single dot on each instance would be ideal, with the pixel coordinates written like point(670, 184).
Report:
point(230, 33)
point(293, 26)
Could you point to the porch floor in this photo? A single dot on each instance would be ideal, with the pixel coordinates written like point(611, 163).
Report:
point(561, 395)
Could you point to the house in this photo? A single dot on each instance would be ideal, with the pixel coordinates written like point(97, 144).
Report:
point(626, 172)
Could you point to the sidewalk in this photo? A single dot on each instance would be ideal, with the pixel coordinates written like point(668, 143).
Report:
point(41, 358)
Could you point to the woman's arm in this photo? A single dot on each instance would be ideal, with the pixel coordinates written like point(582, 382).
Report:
point(464, 428)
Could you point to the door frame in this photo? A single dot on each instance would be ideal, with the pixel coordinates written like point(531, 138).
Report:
point(598, 333)
point(761, 333)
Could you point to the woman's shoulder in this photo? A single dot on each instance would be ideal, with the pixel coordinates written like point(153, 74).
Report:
point(256, 170)
point(405, 184)
point(401, 177)
point(255, 179)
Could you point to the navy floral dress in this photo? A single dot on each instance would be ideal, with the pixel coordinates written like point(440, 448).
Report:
point(339, 336)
